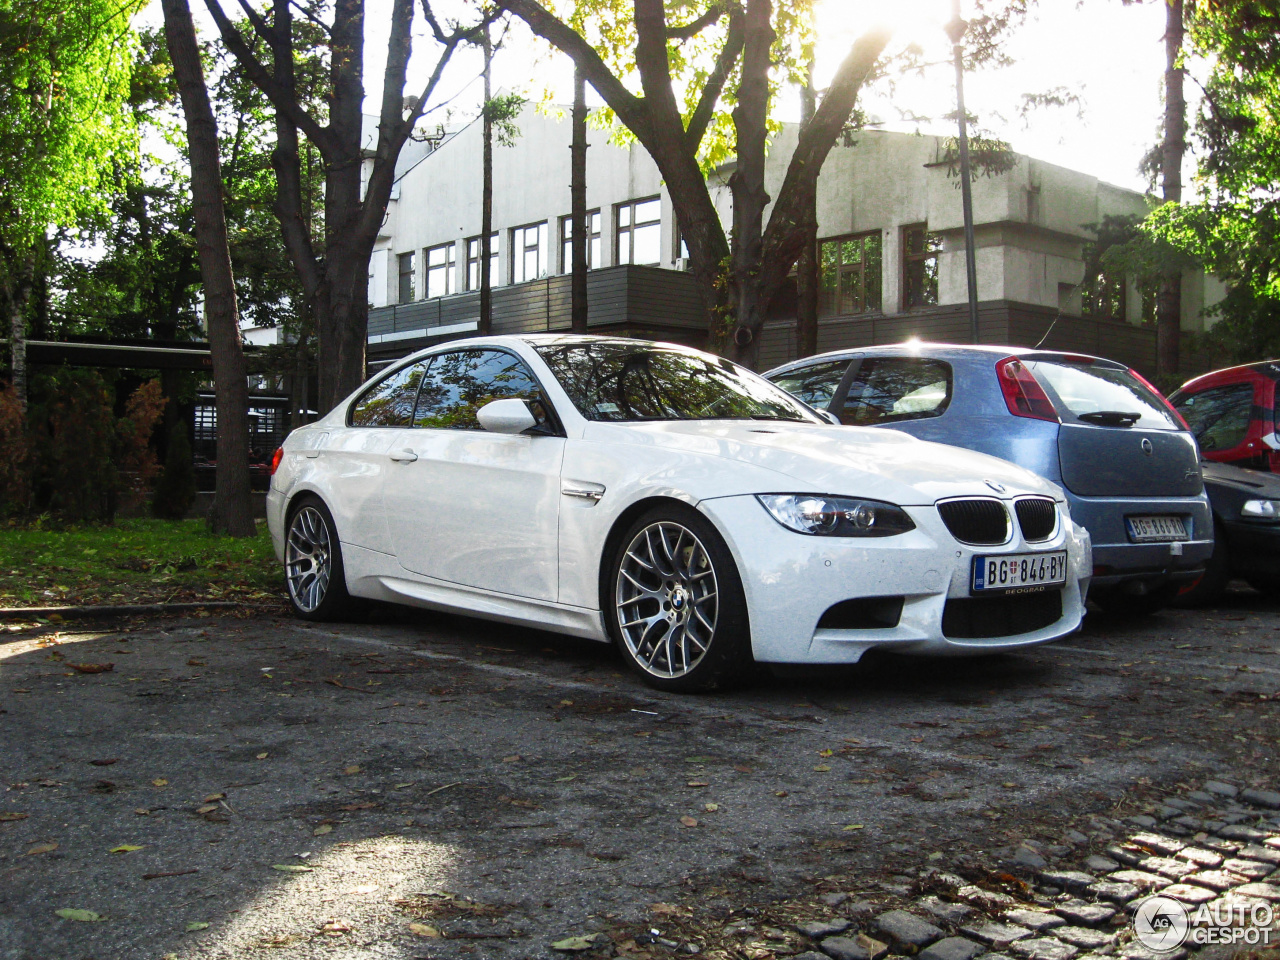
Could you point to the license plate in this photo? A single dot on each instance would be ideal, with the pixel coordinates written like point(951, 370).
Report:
point(1019, 572)
point(1156, 529)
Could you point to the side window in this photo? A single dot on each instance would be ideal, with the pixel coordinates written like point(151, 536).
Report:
point(389, 402)
point(1219, 416)
point(461, 383)
point(893, 389)
point(815, 385)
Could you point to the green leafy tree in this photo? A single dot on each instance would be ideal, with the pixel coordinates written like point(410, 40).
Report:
point(64, 122)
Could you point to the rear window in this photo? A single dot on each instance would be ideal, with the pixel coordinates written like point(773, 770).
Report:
point(1219, 416)
point(893, 389)
point(1085, 389)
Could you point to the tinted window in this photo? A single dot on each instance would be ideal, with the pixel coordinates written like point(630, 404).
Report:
point(622, 381)
point(389, 402)
point(459, 384)
point(892, 389)
point(1219, 416)
point(1085, 388)
point(815, 385)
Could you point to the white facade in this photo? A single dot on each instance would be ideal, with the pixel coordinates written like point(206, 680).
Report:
point(1031, 223)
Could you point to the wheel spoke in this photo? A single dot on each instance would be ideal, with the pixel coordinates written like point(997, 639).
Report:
point(308, 563)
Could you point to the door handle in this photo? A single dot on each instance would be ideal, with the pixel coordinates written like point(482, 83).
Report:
point(404, 456)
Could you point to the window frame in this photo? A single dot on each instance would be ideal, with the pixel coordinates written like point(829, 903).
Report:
point(840, 240)
point(493, 261)
point(450, 268)
point(520, 250)
point(379, 381)
point(401, 274)
point(595, 240)
point(908, 258)
point(630, 229)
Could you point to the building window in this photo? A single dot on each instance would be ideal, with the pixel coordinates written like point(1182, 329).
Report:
point(406, 278)
point(850, 275)
point(593, 242)
point(639, 231)
point(919, 266)
point(473, 262)
point(527, 252)
point(1103, 296)
point(441, 272)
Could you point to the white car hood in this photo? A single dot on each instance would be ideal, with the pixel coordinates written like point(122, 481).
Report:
point(850, 461)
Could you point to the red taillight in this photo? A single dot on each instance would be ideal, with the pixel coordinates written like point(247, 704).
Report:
point(275, 459)
point(1022, 392)
point(1163, 399)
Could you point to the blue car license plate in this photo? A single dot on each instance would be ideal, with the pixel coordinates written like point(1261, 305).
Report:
point(1019, 572)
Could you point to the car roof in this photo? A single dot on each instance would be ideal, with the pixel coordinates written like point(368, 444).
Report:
point(944, 351)
point(1268, 368)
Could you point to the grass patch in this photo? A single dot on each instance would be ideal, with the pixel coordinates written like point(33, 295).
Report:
point(134, 561)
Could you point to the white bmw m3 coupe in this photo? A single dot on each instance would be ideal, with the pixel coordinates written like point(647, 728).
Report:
point(668, 501)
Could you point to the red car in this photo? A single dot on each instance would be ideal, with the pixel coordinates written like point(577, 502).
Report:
point(1232, 413)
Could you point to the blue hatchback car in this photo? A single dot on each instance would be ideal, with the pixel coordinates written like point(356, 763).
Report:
point(1123, 456)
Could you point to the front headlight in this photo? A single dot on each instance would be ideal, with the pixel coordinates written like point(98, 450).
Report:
point(822, 516)
point(1261, 509)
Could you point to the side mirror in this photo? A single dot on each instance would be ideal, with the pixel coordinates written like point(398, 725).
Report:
point(828, 416)
point(511, 415)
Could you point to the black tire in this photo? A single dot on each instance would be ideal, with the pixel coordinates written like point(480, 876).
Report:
point(1217, 574)
point(674, 576)
point(1120, 603)
point(314, 574)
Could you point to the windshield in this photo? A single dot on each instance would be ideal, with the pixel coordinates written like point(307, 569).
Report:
point(1089, 391)
point(626, 382)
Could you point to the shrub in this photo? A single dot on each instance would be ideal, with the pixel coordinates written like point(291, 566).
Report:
point(15, 456)
point(176, 490)
point(138, 464)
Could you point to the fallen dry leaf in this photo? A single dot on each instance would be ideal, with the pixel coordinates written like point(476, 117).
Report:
point(574, 944)
point(291, 868)
point(853, 826)
point(9, 817)
point(424, 930)
point(263, 755)
point(160, 782)
point(688, 821)
point(127, 848)
point(351, 770)
point(92, 667)
point(197, 925)
point(207, 808)
point(214, 796)
point(321, 830)
point(84, 916)
point(711, 807)
point(697, 783)
point(40, 848)
point(104, 763)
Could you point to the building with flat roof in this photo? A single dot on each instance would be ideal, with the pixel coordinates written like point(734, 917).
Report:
point(890, 236)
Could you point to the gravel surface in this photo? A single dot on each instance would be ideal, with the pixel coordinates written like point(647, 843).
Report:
point(431, 786)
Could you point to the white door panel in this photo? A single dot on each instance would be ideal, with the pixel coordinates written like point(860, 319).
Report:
point(477, 508)
point(350, 470)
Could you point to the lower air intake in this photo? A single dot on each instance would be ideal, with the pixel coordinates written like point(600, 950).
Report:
point(978, 618)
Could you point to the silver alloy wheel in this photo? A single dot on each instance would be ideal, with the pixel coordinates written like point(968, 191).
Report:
point(308, 559)
point(667, 599)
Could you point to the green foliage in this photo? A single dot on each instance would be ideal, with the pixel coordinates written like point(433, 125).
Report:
point(64, 126)
point(502, 111)
point(176, 490)
point(132, 561)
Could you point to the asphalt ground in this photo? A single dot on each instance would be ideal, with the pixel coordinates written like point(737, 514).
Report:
point(431, 786)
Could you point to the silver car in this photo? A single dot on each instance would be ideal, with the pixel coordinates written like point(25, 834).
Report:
point(1123, 455)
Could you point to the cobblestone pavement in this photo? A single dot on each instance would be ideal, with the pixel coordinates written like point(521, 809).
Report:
point(435, 787)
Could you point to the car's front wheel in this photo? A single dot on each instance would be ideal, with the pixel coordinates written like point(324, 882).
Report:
point(313, 567)
point(675, 603)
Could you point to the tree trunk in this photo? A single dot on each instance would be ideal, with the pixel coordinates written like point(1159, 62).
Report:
point(807, 267)
point(232, 508)
point(485, 327)
point(1169, 297)
point(578, 204)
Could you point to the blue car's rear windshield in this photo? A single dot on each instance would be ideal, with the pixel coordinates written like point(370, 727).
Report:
point(1087, 389)
point(629, 382)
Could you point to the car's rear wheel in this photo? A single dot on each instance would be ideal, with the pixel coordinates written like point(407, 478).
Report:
point(1217, 574)
point(313, 568)
point(675, 603)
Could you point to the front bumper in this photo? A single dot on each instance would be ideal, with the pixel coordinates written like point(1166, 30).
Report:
point(1253, 547)
point(791, 580)
point(1144, 565)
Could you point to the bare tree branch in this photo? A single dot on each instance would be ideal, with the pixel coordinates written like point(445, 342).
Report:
point(690, 30)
